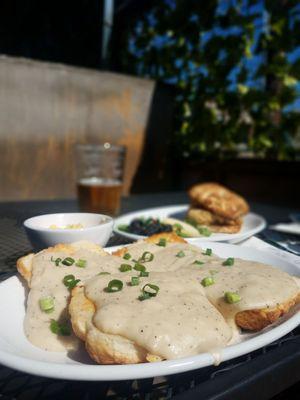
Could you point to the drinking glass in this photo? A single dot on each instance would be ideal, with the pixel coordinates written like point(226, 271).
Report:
point(100, 170)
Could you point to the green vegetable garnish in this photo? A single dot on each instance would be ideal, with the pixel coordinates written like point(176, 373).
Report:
point(148, 291)
point(47, 304)
point(198, 262)
point(147, 257)
point(204, 231)
point(68, 261)
point(81, 263)
point(180, 254)
point(232, 297)
point(127, 256)
point(139, 267)
point(162, 242)
point(208, 252)
point(209, 280)
point(114, 286)
point(59, 329)
point(135, 280)
point(56, 260)
point(125, 267)
point(144, 273)
point(104, 273)
point(229, 262)
point(70, 282)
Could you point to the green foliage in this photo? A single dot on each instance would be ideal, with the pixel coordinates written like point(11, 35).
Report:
point(199, 46)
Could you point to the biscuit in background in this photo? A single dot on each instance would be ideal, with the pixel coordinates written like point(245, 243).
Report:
point(218, 200)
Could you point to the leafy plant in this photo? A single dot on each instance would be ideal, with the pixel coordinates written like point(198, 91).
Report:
point(233, 65)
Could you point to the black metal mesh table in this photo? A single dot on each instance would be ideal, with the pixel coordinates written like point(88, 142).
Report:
point(260, 374)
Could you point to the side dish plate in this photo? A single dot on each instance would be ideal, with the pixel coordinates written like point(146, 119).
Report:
point(16, 352)
point(252, 224)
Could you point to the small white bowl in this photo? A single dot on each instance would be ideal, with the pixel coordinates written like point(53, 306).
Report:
point(96, 228)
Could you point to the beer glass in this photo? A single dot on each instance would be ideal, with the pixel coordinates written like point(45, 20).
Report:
point(99, 177)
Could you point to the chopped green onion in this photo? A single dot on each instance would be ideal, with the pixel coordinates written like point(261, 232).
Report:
point(144, 296)
point(209, 280)
point(125, 267)
point(232, 297)
point(70, 282)
point(144, 273)
point(208, 252)
point(147, 257)
point(59, 329)
point(114, 286)
point(198, 262)
point(47, 304)
point(139, 267)
point(127, 256)
point(81, 263)
point(229, 262)
point(177, 229)
point(68, 261)
point(180, 254)
point(135, 280)
point(104, 273)
point(162, 242)
point(149, 290)
point(204, 231)
point(56, 260)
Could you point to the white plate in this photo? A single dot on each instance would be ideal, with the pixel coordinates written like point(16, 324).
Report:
point(252, 224)
point(16, 352)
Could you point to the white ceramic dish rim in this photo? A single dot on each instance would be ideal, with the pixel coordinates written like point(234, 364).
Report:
point(28, 223)
point(215, 237)
point(147, 370)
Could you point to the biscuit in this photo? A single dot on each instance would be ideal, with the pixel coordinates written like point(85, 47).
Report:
point(219, 200)
point(204, 217)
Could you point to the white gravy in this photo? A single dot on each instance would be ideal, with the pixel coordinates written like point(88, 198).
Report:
point(184, 318)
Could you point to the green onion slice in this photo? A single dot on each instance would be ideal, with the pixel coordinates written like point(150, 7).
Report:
point(149, 290)
point(56, 260)
point(139, 267)
point(180, 254)
point(104, 273)
point(208, 252)
point(81, 263)
point(47, 304)
point(59, 329)
point(134, 281)
point(204, 231)
point(125, 267)
point(232, 297)
point(229, 262)
point(144, 273)
point(68, 261)
point(198, 262)
point(70, 282)
point(162, 242)
point(127, 256)
point(147, 257)
point(208, 281)
point(114, 286)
